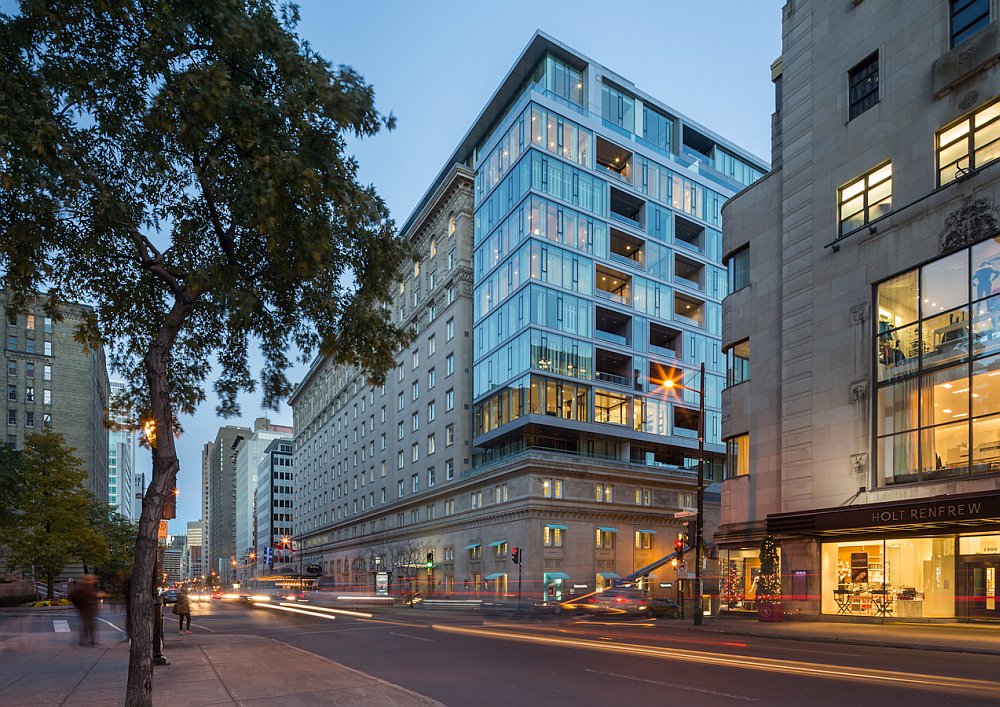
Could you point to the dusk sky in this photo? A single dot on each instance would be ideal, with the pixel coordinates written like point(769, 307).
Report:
point(435, 64)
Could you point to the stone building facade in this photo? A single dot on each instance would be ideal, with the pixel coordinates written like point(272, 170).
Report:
point(862, 420)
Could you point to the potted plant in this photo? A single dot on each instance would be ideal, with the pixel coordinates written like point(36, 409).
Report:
point(769, 606)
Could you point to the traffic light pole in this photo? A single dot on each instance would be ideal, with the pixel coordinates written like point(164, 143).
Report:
point(699, 526)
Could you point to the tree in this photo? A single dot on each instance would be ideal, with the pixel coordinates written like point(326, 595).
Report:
point(118, 534)
point(769, 580)
point(51, 525)
point(182, 167)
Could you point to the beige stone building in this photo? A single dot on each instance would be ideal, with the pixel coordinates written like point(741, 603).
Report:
point(862, 413)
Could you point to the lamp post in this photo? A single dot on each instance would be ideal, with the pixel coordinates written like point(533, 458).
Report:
point(699, 519)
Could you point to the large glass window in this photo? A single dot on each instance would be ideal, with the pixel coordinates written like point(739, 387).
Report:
point(737, 456)
point(967, 18)
point(897, 578)
point(969, 144)
point(738, 363)
point(560, 78)
point(863, 86)
point(618, 107)
point(738, 265)
point(657, 129)
point(936, 344)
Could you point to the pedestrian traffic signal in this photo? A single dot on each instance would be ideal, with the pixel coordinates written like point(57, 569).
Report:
point(430, 560)
point(515, 555)
point(679, 547)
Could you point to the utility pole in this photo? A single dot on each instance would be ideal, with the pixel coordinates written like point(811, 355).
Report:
point(699, 523)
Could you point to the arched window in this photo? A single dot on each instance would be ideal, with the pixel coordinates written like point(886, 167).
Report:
point(451, 223)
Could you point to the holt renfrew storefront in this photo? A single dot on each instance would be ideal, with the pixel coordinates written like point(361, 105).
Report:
point(934, 558)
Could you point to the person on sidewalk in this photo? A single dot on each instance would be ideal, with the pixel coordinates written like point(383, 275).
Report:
point(86, 599)
point(182, 607)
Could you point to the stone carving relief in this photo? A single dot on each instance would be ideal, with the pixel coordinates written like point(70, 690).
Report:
point(859, 391)
point(973, 220)
point(859, 314)
point(859, 463)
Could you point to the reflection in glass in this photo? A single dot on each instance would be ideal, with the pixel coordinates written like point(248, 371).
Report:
point(946, 338)
point(944, 284)
point(897, 301)
point(986, 326)
point(898, 352)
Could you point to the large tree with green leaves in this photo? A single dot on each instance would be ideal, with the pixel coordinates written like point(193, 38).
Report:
point(182, 166)
point(118, 534)
point(51, 524)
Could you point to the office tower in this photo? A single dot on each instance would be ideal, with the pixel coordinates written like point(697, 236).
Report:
point(219, 469)
point(275, 501)
point(122, 487)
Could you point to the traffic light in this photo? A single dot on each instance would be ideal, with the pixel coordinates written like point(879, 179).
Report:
point(515, 555)
point(679, 548)
point(430, 561)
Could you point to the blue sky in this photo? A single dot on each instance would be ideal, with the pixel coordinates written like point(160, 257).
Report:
point(435, 64)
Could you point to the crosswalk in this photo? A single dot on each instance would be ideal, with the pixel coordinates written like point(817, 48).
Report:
point(60, 625)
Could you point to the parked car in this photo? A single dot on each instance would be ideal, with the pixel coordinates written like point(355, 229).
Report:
point(663, 607)
point(618, 602)
point(169, 596)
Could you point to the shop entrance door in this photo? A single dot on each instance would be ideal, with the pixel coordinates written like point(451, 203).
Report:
point(979, 597)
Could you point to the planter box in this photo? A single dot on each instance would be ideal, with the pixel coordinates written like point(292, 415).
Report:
point(771, 612)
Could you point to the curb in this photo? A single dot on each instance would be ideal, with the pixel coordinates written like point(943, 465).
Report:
point(853, 641)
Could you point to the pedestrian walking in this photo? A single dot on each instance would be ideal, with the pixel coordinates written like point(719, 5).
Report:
point(86, 599)
point(182, 607)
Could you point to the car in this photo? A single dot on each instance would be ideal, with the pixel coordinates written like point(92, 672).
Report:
point(217, 594)
point(667, 608)
point(169, 596)
point(618, 602)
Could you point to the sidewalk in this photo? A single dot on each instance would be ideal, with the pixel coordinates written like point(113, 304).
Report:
point(205, 669)
point(951, 637)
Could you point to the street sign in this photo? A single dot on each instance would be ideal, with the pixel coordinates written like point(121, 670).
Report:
point(161, 531)
point(682, 570)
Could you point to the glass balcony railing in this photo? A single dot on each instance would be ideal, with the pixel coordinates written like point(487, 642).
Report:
point(611, 378)
point(662, 351)
point(613, 338)
point(613, 296)
point(635, 223)
point(614, 174)
point(689, 320)
point(694, 284)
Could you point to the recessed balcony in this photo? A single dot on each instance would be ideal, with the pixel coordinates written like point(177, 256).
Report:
point(689, 272)
point(690, 310)
point(664, 341)
point(627, 249)
point(613, 367)
point(613, 326)
point(614, 160)
point(627, 208)
point(689, 234)
point(613, 285)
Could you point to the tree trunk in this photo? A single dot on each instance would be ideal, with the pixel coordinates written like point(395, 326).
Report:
point(139, 692)
point(50, 582)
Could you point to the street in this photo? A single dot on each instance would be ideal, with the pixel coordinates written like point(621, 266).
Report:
point(464, 658)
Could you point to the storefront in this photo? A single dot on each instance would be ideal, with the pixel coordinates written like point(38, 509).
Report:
point(935, 558)
point(739, 570)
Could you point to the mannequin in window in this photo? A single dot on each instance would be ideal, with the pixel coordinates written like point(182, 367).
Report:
point(898, 357)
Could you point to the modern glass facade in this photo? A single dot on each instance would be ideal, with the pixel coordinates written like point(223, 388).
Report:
point(597, 273)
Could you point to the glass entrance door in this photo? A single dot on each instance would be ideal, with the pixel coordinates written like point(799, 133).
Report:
point(979, 596)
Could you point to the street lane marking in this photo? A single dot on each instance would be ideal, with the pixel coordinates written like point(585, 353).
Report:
point(676, 686)
point(415, 638)
point(772, 665)
point(345, 612)
point(110, 624)
point(60, 625)
point(295, 610)
point(210, 630)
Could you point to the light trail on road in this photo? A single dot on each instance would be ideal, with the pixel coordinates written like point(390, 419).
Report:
point(936, 683)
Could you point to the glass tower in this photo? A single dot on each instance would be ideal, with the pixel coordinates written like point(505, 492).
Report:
point(597, 271)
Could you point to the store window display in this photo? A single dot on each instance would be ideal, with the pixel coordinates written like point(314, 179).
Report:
point(937, 336)
point(899, 577)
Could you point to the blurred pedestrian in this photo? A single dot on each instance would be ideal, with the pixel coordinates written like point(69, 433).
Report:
point(182, 607)
point(87, 600)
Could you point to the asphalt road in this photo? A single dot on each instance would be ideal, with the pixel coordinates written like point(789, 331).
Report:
point(468, 659)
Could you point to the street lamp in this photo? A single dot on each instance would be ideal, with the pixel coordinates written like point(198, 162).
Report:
point(699, 520)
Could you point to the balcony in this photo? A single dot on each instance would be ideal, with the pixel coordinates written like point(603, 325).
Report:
point(689, 272)
point(613, 326)
point(689, 310)
point(627, 209)
point(664, 341)
point(613, 286)
point(689, 234)
point(614, 160)
point(613, 367)
point(627, 249)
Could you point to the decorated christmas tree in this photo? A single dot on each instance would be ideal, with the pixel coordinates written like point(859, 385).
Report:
point(769, 581)
point(732, 584)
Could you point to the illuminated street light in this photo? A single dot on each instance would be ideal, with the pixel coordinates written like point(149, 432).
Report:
point(699, 520)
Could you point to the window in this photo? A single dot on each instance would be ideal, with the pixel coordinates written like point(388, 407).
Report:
point(415, 483)
point(643, 497)
point(451, 294)
point(383, 415)
point(431, 477)
point(475, 552)
point(501, 494)
point(29, 394)
point(12, 392)
point(449, 507)
point(552, 535)
point(738, 363)
point(477, 499)
point(643, 540)
point(449, 435)
point(400, 430)
point(449, 400)
point(414, 452)
point(604, 538)
point(400, 490)
point(46, 372)
point(552, 488)
point(400, 401)
point(11, 368)
point(449, 364)
point(47, 420)
point(936, 343)
point(967, 18)
point(865, 199)
point(449, 469)
point(431, 346)
point(863, 86)
point(449, 330)
point(400, 459)
point(499, 549)
point(399, 372)
point(415, 358)
point(738, 266)
point(415, 390)
point(47, 396)
point(969, 144)
point(451, 223)
point(738, 456)
point(431, 445)
point(415, 421)
point(451, 260)
point(604, 493)
point(48, 325)
point(11, 319)
point(432, 310)
point(431, 378)
point(48, 348)
point(12, 417)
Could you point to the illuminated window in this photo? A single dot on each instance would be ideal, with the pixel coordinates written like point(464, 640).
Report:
point(643, 539)
point(969, 144)
point(552, 488)
point(604, 493)
point(865, 199)
point(738, 456)
point(604, 538)
point(553, 535)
